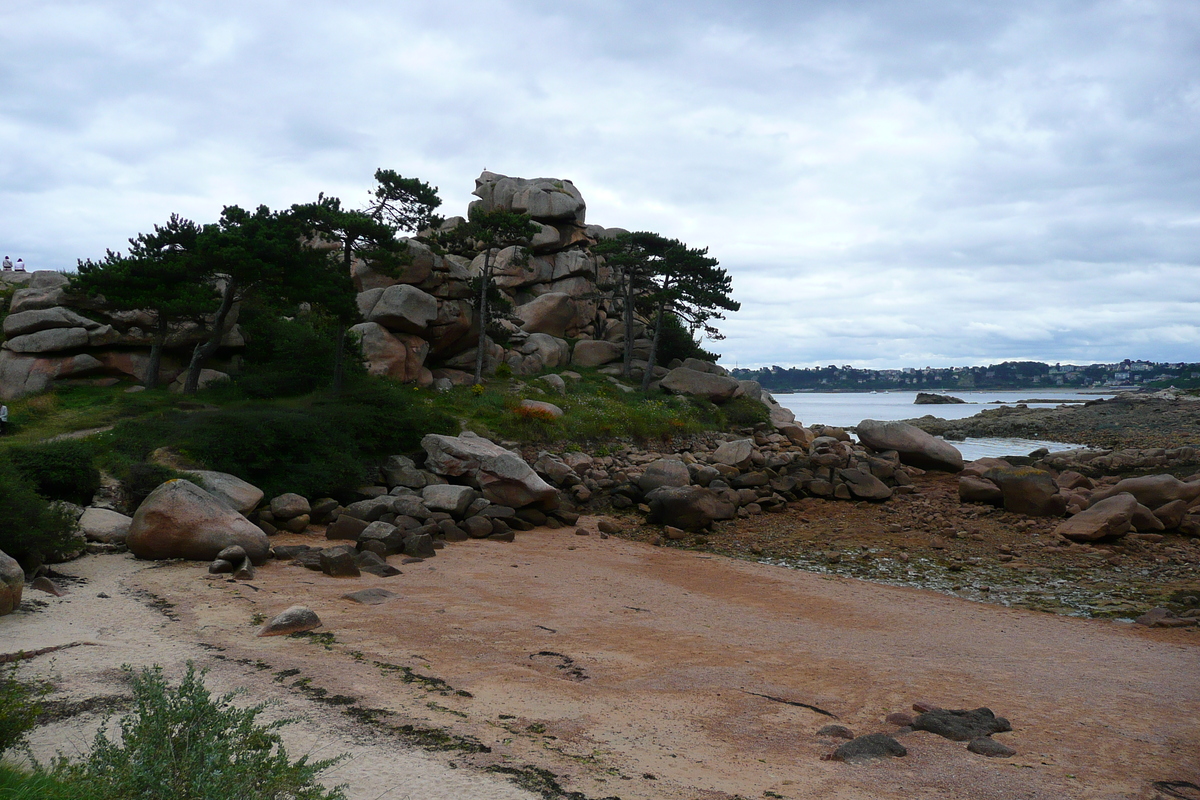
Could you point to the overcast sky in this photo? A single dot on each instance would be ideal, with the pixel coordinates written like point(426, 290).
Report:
point(935, 182)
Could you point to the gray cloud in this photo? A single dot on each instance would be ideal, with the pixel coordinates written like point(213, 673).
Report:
point(888, 183)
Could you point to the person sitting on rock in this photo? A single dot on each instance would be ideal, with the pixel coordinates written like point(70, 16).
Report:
point(7, 264)
point(3, 420)
point(20, 265)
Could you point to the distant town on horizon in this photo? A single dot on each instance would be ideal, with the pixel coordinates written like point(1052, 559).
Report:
point(1007, 375)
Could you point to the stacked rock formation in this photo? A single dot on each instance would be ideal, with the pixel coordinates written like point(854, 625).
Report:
point(418, 326)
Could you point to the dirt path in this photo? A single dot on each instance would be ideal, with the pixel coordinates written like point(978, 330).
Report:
point(615, 668)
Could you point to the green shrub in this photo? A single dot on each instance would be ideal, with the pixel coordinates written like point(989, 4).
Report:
point(18, 785)
point(287, 357)
point(184, 744)
point(62, 470)
point(324, 446)
point(19, 706)
point(140, 479)
point(29, 525)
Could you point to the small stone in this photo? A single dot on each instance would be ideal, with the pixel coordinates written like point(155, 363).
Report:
point(244, 570)
point(220, 567)
point(296, 619)
point(370, 597)
point(987, 746)
point(233, 554)
point(608, 526)
point(582, 532)
point(900, 719)
point(44, 584)
point(836, 732)
point(924, 707)
point(867, 747)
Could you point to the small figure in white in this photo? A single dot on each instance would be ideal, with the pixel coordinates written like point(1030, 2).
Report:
point(7, 264)
point(20, 265)
point(3, 420)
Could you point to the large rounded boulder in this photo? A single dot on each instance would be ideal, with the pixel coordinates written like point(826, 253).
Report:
point(181, 520)
point(714, 388)
point(915, 447)
point(12, 583)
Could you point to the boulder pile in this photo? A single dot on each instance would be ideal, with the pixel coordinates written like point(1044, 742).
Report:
point(1099, 508)
point(706, 479)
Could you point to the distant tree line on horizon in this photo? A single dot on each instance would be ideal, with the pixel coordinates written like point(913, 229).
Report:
point(1006, 375)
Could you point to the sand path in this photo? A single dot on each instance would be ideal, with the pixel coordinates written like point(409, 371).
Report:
point(639, 672)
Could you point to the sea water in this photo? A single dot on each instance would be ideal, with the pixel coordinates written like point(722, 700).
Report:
point(844, 409)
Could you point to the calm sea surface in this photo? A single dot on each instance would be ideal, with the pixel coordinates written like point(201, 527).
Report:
point(850, 408)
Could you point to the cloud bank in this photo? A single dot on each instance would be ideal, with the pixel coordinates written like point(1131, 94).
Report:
point(890, 184)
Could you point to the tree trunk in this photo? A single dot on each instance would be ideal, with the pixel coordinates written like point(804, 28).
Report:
point(206, 349)
point(649, 376)
point(627, 364)
point(156, 348)
point(485, 280)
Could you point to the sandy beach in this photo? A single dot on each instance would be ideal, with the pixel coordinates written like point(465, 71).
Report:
point(613, 668)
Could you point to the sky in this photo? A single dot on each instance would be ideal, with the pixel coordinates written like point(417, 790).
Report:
point(925, 183)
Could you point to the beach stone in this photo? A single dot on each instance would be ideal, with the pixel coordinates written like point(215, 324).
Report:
point(289, 505)
point(220, 566)
point(987, 746)
point(836, 732)
point(869, 747)
point(865, 486)
point(1112, 516)
point(1144, 520)
point(296, 619)
point(338, 562)
point(238, 494)
point(233, 553)
point(372, 596)
point(450, 498)
point(961, 725)
point(12, 583)
point(104, 525)
point(914, 446)
point(975, 489)
point(181, 520)
point(1172, 514)
point(346, 527)
point(372, 508)
point(1030, 491)
point(478, 527)
point(295, 524)
point(691, 508)
point(736, 453)
point(664, 472)
point(419, 545)
point(387, 537)
point(502, 476)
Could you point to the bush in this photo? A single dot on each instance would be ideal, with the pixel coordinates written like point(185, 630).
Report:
point(29, 525)
point(140, 479)
point(287, 357)
point(19, 706)
point(183, 744)
point(322, 447)
point(62, 470)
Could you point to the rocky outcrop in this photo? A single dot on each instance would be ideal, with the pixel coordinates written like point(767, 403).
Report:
point(104, 525)
point(930, 399)
point(181, 520)
point(238, 494)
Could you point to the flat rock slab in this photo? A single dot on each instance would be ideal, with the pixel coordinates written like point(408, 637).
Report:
point(296, 619)
point(370, 597)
